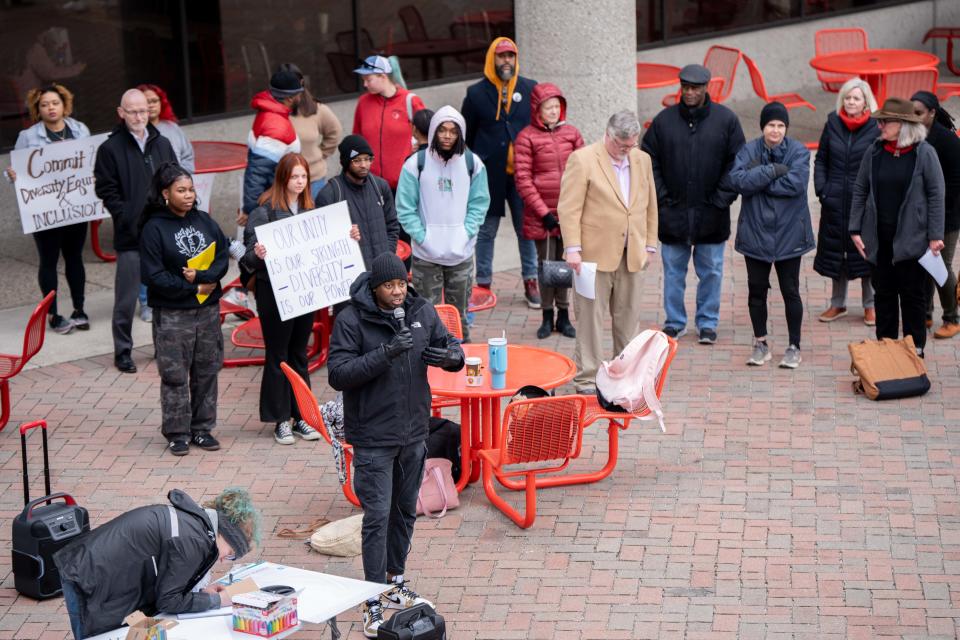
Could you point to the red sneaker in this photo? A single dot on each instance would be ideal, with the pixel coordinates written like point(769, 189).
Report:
point(532, 293)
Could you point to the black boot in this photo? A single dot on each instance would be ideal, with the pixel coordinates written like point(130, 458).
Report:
point(546, 327)
point(563, 324)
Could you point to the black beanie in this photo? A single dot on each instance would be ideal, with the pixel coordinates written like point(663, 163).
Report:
point(233, 535)
point(774, 111)
point(285, 83)
point(351, 147)
point(386, 266)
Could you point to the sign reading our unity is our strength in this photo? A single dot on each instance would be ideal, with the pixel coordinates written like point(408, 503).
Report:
point(311, 259)
point(55, 185)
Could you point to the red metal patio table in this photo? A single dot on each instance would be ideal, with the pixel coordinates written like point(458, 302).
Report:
point(651, 75)
point(480, 406)
point(873, 64)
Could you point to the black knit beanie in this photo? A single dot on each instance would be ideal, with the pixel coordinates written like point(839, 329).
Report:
point(284, 84)
point(774, 111)
point(232, 534)
point(351, 147)
point(386, 266)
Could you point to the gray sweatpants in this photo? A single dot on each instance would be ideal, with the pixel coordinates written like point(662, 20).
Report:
point(189, 346)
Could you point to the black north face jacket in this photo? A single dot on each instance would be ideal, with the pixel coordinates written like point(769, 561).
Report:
point(385, 402)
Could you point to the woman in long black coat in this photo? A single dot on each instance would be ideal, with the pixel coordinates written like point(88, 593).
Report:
point(846, 136)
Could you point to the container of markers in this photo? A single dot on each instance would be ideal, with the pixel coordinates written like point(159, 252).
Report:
point(264, 614)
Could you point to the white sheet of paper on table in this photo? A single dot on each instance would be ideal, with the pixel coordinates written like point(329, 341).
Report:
point(585, 282)
point(934, 266)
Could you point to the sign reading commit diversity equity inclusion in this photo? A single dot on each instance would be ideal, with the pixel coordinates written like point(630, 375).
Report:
point(55, 184)
point(311, 259)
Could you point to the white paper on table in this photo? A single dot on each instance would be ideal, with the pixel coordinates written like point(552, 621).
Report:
point(585, 282)
point(934, 266)
point(209, 613)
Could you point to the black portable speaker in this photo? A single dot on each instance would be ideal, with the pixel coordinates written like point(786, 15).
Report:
point(420, 622)
point(42, 529)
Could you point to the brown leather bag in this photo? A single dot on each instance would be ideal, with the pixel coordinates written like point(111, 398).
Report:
point(888, 369)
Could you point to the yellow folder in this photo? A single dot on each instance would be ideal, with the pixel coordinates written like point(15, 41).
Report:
point(201, 262)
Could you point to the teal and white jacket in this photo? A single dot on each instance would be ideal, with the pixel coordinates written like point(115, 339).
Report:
point(443, 206)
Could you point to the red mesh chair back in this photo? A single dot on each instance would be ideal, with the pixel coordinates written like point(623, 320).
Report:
point(450, 318)
point(759, 86)
point(722, 63)
point(413, 23)
point(542, 430)
point(306, 402)
point(834, 41)
point(903, 84)
point(11, 364)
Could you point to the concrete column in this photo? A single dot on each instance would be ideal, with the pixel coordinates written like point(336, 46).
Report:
point(588, 49)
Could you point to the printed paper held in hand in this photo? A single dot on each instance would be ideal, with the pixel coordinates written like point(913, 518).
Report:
point(585, 282)
point(935, 266)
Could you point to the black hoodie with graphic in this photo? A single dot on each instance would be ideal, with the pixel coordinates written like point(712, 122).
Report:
point(167, 241)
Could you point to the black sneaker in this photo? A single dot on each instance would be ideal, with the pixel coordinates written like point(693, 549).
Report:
point(707, 336)
point(675, 333)
point(179, 447)
point(283, 433)
point(80, 320)
point(305, 431)
point(61, 325)
point(205, 441)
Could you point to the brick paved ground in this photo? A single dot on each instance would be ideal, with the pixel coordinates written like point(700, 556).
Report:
point(777, 505)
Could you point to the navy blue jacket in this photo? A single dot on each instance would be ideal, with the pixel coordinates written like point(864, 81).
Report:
point(774, 219)
point(834, 172)
point(386, 402)
point(490, 138)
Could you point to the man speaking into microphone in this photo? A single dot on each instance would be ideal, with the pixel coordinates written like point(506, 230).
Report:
point(381, 346)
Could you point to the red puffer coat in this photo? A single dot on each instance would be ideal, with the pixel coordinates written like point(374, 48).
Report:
point(540, 155)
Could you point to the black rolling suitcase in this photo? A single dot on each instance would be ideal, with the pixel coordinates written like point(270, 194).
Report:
point(42, 529)
point(420, 622)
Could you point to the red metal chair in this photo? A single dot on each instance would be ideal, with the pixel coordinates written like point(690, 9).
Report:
point(903, 84)
point(310, 412)
point(834, 41)
point(789, 100)
point(11, 365)
point(543, 435)
point(450, 317)
point(616, 421)
point(714, 88)
point(249, 335)
point(722, 62)
point(95, 243)
point(227, 308)
point(481, 299)
point(947, 90)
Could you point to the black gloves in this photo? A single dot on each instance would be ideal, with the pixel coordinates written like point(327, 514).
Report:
point(402, 342)
point(443, 357)
point(780, 169)
point(550, 221)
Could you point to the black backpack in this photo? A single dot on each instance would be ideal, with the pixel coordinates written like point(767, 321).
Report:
point(420, 622)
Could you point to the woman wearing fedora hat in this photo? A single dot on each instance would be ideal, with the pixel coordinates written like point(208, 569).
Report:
point(897, 214)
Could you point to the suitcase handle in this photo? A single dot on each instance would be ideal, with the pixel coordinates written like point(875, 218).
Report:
point(68, 499)
point(46, 458)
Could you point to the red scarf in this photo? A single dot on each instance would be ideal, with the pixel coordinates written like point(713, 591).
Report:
point(854, 123)
point(891, 147)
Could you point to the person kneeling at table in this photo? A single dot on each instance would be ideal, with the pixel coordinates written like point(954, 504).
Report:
point(379, 361)
point(151, 558)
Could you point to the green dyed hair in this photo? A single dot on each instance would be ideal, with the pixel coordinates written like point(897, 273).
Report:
point(236, 504)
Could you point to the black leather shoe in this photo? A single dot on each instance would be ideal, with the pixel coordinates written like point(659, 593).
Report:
point(205, 441)
point(179, 447)
point(125, 363)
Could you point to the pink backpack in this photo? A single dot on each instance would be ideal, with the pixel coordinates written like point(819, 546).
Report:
point(437, 491)
point(630, 379)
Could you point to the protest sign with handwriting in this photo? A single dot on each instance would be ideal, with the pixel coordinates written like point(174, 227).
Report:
point(311, 259)
point(55, 184)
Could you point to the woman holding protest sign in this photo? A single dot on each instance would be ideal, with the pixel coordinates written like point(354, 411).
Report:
point(50, 108)
point(285, 340)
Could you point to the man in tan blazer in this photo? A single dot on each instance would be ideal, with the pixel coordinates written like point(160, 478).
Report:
point(608, 215)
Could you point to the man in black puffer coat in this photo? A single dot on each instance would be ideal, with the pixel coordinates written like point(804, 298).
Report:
point(380, 363)
point(693, 145)
point(368, 197)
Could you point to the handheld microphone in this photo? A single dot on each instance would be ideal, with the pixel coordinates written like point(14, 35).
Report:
point(399, 314)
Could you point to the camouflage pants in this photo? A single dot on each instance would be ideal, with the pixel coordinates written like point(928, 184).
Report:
point(452, 285)
point(189, 345)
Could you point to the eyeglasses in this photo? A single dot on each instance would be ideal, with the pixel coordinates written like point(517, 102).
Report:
point(231, 557)
point(138, 113)
point(373, 67)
